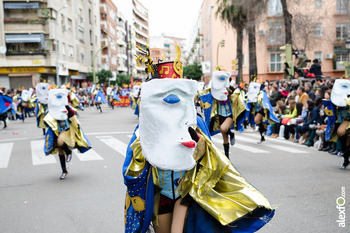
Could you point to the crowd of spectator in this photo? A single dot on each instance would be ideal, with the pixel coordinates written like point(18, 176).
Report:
point(299, 107)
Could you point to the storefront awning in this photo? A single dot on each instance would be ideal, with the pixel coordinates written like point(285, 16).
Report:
point(25, 38)
point(21, 5)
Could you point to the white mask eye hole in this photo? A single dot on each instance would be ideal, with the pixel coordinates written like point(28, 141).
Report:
point(222, 78)
point(58, 96)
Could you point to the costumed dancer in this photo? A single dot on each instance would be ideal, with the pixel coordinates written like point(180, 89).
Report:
point(64, 130)
point(25, 103)
point(223, 108)
point(6, 108)
point(176, 177)
point(110, 96)
point(100, 98)
point(74, 100)
point(136, 92)
point(260, 107)
point(42, 92)
point(338, 114)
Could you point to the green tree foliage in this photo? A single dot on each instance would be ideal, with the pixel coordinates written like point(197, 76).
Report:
point(123, 79)
point(193, 72)
point(102, 75)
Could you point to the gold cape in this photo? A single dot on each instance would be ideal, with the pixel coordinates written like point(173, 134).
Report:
point(41, 115)
point(74, 101)
point(214, 184)
point(73, 136)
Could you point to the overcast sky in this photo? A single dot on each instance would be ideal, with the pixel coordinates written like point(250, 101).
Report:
point(166, 16)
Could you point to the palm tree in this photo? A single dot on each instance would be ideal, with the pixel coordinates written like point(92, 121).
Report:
point(234, 15)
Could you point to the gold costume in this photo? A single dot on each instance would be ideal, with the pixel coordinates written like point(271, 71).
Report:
point(214, 183)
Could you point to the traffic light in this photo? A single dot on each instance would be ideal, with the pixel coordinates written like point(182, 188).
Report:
point(288, 62)
point(222, 43)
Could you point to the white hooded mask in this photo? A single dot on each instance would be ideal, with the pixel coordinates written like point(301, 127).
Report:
point(166, 112)
point(25, 95)
point(253, 92)
point(135, 91)
point(220, 83)
point(57, 103)
point(340, 92)
point(42, 92)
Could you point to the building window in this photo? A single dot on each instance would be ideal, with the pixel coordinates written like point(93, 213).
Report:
point(82, 57)
point(342, 6)
point(54, 46)
point(71, 51)
point(318, 55)
point(70, 25)
point(95, 39)
point(318, 30)
point(275, 62)
point(342, 31)
point(275, 7)
point(90, 16)
point(62, 19)
point(95, 20)
point(63, 48)
point(54, 14)
point(81, 34)
point(244, 33)
point(92, 58)
point(91, 38)
point(243, 60)
point(318, 3)
point(342, 57)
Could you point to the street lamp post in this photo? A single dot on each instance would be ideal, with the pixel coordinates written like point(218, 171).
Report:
point(57, 76)
point(93, 64)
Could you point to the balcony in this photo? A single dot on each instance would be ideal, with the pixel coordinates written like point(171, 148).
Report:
point(122, 68)
point(121, 42)
point(31, 52)
point(104, 27)
point(103, 9)
point(142, 42)
point(276, 40)
point(13, 25)
point(104, 59)
point(104, 42)
point(122, 55)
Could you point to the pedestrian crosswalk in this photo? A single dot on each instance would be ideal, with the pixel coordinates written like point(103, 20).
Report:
point(245, 142)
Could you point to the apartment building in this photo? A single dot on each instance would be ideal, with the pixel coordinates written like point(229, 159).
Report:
point(166, 43)
point(109, 36)
point(122, 43)
point(320, 27)
point(139, 35)
point(195, 47)
point(27, 31)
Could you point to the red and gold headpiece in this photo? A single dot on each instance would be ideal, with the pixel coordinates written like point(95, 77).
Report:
point(172, 69)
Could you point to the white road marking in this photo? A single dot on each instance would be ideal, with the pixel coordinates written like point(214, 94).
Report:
point(242, 147)
point(104, 133)
point(6, 149)
point(274, 146)
point(38, 154)
point(114, 143)
point(90, 155)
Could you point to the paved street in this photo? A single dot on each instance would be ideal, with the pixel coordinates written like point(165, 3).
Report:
point(301, 182)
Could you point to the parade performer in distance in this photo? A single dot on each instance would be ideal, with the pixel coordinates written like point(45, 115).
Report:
point(223, 108)
point(6, 107)
point(176, 177)
point(42, 92)
point(135, 97)
point(260, 107)
point(25, 103)
point(74, 100)
point(64, 130)
point(99, 99)
point(338, 114)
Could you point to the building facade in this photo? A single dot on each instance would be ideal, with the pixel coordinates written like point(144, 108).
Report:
point(320, 28)
point(167, 43)
point(27, 31)
point(122, 43)
point(109, 37)
point(139, 36)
